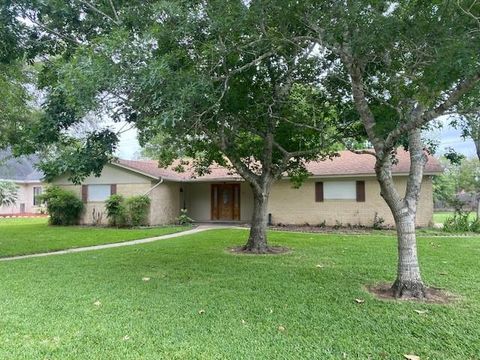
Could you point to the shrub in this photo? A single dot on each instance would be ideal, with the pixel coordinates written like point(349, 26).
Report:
point(136, 210)
point(460, 222)
point(8, 193)
point(63, 206)
point(97, 217)
point(132, 211)
point(378, 222)
point(115, 209)
point(338, 225)
point(184, 219)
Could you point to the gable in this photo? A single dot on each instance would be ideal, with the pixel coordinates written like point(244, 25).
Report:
point(110, 175)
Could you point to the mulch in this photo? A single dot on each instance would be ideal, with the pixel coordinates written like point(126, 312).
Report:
point(271, 250)
point(433, 295)
point(24, 215)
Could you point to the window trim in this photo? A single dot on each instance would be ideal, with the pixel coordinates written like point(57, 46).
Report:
point(35, 196)
point(319, 191)
point(87, 194)
point(359, 188)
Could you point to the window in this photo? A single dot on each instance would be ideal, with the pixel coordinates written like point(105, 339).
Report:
point(37, 191)
point(99, 192)
point(340, 190)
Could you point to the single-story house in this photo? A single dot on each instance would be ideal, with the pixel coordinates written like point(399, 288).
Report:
point(29, 182)
point(343, 190)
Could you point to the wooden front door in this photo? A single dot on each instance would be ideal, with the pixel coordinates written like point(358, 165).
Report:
point(226, 202)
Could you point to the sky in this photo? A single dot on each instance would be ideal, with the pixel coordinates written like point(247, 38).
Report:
point(447, 137)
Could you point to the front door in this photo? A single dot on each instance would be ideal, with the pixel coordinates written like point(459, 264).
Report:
point(226, 202)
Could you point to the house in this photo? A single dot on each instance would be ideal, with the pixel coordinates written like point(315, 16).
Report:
point(29, 181)
point(343, 190)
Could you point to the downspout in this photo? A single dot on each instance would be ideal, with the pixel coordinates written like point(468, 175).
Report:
point(154, 187)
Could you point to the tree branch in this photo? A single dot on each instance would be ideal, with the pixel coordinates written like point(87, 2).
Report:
point(362, 152)
point(418, 121)
point(114, 11)
point(246, 66)
point(360, 99)
point(97, 10)
point(53, 32)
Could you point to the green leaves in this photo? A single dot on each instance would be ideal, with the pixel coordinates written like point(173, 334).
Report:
point(8, 193)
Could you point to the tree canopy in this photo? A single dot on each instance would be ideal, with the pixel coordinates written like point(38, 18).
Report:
point(259, 85)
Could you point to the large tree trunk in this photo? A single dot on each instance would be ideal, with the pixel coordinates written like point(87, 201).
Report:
point(257, 240)
point(409, 281)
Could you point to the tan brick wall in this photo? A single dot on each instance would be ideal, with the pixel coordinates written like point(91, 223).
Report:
point(297, 206)
point(165, 207)
point(287, 204)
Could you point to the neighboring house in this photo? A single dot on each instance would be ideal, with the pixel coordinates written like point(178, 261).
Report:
point(339, 191)
point(29, 181)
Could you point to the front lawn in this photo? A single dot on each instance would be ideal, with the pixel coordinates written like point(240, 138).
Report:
point(188, 298)
point(27, 236)
point(441, 216)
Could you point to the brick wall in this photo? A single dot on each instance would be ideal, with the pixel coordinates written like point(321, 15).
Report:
point(297, 206)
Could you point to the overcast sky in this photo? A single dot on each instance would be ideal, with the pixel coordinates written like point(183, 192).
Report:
point(447, 137)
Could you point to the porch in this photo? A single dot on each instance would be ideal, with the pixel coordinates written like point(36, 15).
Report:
point(217, 202)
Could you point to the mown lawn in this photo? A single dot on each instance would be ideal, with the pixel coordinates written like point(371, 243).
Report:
point(440, 217)
point(201, 302)
point(26, 236)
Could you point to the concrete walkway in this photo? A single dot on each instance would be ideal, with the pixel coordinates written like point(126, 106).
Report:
point(196, 230)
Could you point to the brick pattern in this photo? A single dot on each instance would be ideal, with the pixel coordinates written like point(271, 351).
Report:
point(287, 204)
point(165, 207)
point(298, 206)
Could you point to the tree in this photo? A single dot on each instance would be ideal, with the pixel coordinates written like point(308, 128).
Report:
point(8, 193)
point(402, 64)
point(205, 79)
point(456, 178)
point(445, 186)
point(468, 120)
point(14, 107)
point(463, 177)
point(469, 106)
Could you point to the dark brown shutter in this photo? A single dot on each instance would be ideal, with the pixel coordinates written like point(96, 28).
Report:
point(361, 191)
point(84, 193)
point(113, 189)
point(319, 191)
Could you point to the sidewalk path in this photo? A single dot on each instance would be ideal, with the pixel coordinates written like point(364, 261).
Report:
point(196, 230)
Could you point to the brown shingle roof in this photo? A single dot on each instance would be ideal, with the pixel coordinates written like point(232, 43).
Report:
point(346, 164)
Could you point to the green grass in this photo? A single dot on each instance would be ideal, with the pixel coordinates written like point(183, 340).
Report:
point(48, 304)
point(26, 236)
point(440, 217)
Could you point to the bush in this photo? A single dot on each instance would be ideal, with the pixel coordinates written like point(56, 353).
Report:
point(132, 211)
point(460, 222)
point(115, 208)
point(8, 193)
point(136, 210)
point(63, 206)
point(378, 222)
point(184, 219)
